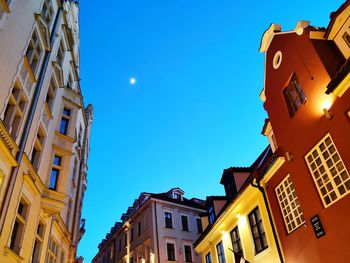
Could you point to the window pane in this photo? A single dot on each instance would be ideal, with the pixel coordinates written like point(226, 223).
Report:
point(53, 179)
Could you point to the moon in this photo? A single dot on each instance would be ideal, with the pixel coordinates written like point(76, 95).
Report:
point(132, 81)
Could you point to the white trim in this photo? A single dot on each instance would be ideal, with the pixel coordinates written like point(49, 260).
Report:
point(289, 204)
point(277, 59)
point(328, 171)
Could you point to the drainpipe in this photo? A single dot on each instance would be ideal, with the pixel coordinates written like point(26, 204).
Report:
point(262, 190)
point(38, 87)
point(156, 218)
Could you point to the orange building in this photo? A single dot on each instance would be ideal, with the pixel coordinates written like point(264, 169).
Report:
point(307, 97)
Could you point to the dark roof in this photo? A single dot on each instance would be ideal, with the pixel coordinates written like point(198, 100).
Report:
point(234, 170)
point(258, 168)
point(184, 201)
point(339, 76)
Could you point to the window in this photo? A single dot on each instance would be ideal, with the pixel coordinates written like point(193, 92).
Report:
point(168, 220)
point(120, 245)
point(38, 242)
point(289, 204)
point(19, 226)
point(188, 253)
point(15, 109)
point(184, 222)
point(170, 248)
point(346, 38)
point(60, 53)
point(199, 225)
point(132, 235)
point(34, 52)
point(65, 121)
point(63, 256)
point(211, 214)
point(208, 258)
point(221, 252)
point(48, 12)
point(53, 251)
point(38, 148)
point(294, 96)
point(236, 242)
point(50, 96)
point(126, 239)
point(139, 228)
point(55, 170)
point(328, 171)
point(131, 260)
point(177, 196)
point(258, 232)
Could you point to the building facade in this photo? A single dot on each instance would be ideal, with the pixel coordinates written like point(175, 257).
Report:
point(307, 97)
point(241, 230)
point(158, 228)
point(44, 132)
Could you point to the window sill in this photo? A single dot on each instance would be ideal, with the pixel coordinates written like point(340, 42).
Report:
point(13, 254)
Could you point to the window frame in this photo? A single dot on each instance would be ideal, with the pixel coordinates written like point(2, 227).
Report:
point(39, 239)
point(173, 250)
point(287, 198)
point(220, 251)
point(55, 252)
point(190, 255)
point(19, 226)
point(65, 119)
point(58, 168)
point(261, 234)
point(294, 88)
point(199, 225)
point(168, 222)
point(208, 258)
point(310, 159)
point(15, 110)
point(236, 241)
point(185, 227)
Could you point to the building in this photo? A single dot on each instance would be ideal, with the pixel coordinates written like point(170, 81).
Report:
point(44, 132)
point(157, 228)
point(238, 226)
point(307, 98)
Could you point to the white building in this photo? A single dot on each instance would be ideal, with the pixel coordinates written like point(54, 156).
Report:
point(158, 228)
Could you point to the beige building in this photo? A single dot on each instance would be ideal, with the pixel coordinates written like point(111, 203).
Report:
point(44, 132)
point(158, 228)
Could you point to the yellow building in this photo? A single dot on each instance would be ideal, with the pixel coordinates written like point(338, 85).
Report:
point(241, 228)
point(44, 132)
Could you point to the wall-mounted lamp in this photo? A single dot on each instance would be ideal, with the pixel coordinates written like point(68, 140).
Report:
point(327, 114)
point(289, 156)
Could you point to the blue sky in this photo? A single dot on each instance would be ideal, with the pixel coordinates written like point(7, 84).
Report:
point(195, 107)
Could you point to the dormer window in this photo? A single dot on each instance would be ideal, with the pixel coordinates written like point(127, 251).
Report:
point(211, 215)
point(177, 196)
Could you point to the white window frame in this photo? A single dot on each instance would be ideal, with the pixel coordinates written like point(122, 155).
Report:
point(169, 241)
point(289, 204)
point(325, 182)
point(191, 247)
point(172, 219)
